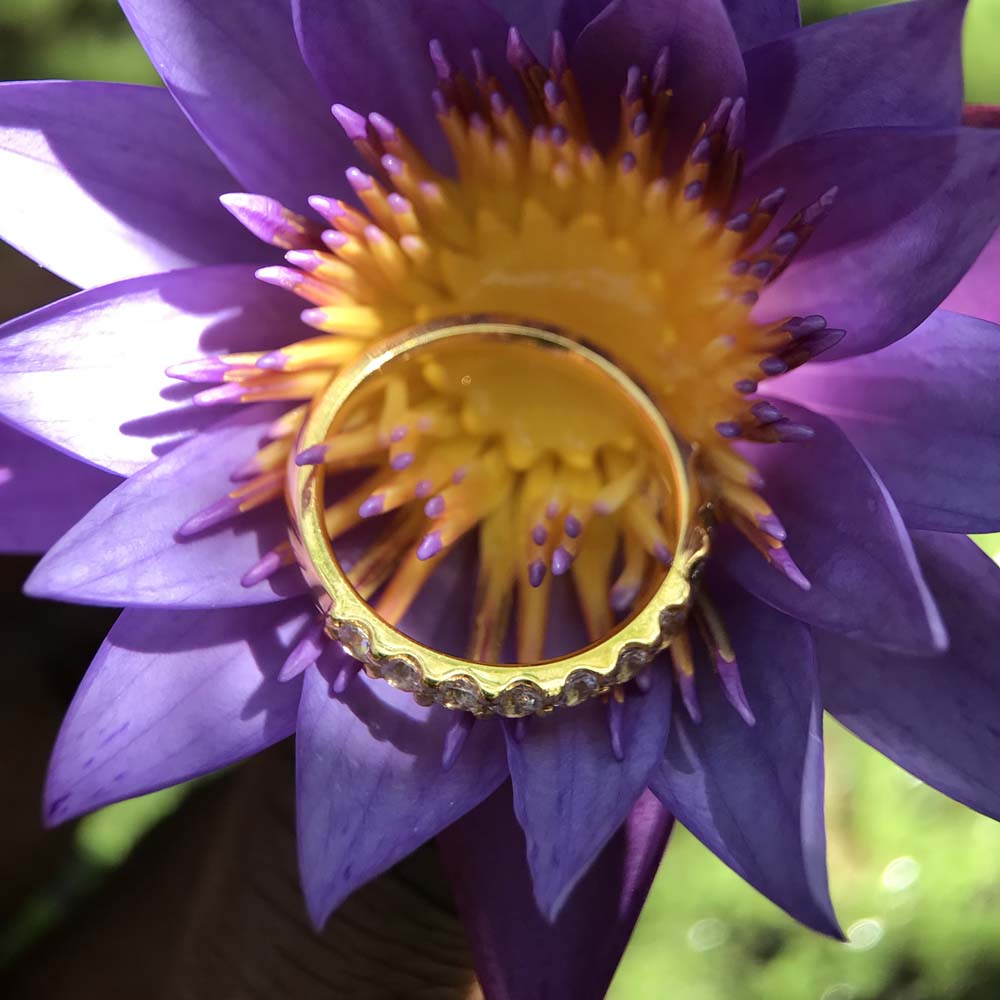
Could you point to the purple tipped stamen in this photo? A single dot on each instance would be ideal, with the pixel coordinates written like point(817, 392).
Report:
point(213, 515)
point(430, 545)
point(231, 392)
point(435, 507)
point(349, 669)
point(562, 559)
point(266, 567)
point(662, 554)
point(373, 506)
point(313, 455)
point(212, 369)
point(306, 652)
point(270, 221)
point(732, 687)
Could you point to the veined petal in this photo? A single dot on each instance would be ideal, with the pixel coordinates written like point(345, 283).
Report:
point(126, 551)
point(86, 373)
point(252, 99)
point(571, 792)
point(371, 783)
point(758, 21)
point(846, 536)
point(978, 293)
point(933, 196)
point(754, 794)
point(105, 181)
point(936, 717)
point(925, 412)
point(518, 953)
point(895, 65)
point(705, 61)
point(172, 695)
point(373, 56)
point(43, 493)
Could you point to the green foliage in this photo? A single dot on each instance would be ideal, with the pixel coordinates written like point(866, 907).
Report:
point(915, 879)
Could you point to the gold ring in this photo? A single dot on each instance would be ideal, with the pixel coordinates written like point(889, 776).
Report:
point(516, 690)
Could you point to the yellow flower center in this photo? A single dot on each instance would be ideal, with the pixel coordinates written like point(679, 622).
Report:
point(647, 265)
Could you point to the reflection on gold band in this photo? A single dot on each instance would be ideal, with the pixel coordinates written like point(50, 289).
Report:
point(491, 689)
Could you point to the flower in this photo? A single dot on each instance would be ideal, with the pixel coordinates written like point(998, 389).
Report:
point(706, 192)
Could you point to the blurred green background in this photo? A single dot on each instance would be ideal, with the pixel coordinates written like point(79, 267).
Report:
point(916, 878)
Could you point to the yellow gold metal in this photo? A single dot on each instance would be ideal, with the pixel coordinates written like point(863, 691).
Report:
point(492, 689)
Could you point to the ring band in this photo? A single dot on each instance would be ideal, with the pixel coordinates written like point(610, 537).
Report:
point(514, 690)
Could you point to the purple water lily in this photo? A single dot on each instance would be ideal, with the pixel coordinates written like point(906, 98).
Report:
point(710, 193)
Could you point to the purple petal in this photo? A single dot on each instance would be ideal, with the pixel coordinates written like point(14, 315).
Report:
point(896, 65)
point(925, 412)
point(373, 56)
point(978, 293)
point(518, 953)
point(43, 493)
point(846, 536)
point(86, 373)
point(754, 794)
point(575, 16)
point(252, 99)
point(705, 60)
point(127, 552)
point(371, 783)
point(936, 717)
point(172, 695)
point(105, 181)
point(571, 792)
point(758, 21)
point(914, 209)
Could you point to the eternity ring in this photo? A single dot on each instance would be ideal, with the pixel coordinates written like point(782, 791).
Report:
point(509, 690)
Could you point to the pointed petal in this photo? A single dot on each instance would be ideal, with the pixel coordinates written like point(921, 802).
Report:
point(172, 695)
point(758, 21)
point(925, 412)
point(253, 101)
point(105, 181)
point(126, 552)
point(371, 784)
point(914, 209)
point(896, 65)
point(86, 373)
point(936, 717)
point(518, 952)
point(978, 293)
point(754, 794)
point(846, 536)
point(373, 56)
point(705, 60)
point(571, 793)
point(576, 15)
point(43, 493)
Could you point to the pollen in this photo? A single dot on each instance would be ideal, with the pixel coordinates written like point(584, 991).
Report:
point(633, 249)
